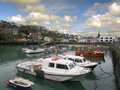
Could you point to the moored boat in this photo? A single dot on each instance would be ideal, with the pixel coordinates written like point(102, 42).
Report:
point(96, 54)
point(79, 60)
point(34, 51)
point(54, 69)
point(19, 83)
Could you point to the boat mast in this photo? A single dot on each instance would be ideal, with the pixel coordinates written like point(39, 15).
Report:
point(38, 35)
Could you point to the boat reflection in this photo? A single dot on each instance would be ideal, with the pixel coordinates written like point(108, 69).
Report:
point(91, 76)
point(38, 55)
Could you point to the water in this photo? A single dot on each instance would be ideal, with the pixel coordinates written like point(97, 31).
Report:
point(102, 78)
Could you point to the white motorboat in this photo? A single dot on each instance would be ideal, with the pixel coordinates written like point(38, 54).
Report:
point(54, 69)
point(79, 60)
point(34, 50)
point(19, 82)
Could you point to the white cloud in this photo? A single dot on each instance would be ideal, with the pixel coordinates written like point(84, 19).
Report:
point(16, 19)
point(39, 15)
point(94, 22)
point(34, 8)
point(109, 21)
point(114, 9)
point(93, 10)
point(69, 19)
point(49, 20)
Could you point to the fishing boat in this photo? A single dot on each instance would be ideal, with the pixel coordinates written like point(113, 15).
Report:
point(54, 69)
point(79, 60)
point(19, 82)
point(95, 54)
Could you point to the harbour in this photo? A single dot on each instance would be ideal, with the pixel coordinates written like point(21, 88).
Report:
point(60, 45)
point(101, 78)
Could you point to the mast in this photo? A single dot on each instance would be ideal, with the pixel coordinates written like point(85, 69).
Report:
point(38, 36)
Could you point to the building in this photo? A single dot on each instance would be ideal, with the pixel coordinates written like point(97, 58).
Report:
point(117, 39)
point(107, 39)
point(9, 31)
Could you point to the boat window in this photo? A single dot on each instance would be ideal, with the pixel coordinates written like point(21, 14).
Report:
point(78, 60)
point(51, 64)
point(61, 66)
point(84, 59)
point(71, 59)
point(71, 65)
point(74, 63)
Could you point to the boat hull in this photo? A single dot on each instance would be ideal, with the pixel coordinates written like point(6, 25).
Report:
point(88, 66)
point(92, 67)
point(14, 85)
point(59, 78)
point(89, 54)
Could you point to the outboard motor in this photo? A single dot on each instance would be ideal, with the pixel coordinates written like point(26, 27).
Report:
point(40, 74)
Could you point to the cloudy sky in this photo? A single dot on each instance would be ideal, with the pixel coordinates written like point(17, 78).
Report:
point(84, 17)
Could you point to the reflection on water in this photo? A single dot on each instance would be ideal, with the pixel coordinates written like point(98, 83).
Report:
point(91, 76)
point(102, 78)
point(9, 53)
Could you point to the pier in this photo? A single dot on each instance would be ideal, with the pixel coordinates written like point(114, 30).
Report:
point(115, 51)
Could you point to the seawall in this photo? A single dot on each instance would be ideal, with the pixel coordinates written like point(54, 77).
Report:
point(115, 51)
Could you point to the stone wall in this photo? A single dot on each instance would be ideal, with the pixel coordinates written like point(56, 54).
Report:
point(115, 50)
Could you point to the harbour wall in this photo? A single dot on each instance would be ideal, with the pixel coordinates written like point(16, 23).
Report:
point(115, 51)
point(47, 43)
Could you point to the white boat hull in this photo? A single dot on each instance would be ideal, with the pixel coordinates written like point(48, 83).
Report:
point(29, 51)
point(59, 78)
point(92, 66)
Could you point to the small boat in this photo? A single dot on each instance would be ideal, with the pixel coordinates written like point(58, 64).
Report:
point(19, 82)
point(24, 49)
point(34, 51)
point(54, 69)
point(79, 60)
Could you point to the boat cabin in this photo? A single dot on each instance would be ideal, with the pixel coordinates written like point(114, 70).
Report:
point(57, 63)
point(77, 59)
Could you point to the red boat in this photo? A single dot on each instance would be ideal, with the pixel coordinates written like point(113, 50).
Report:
point(98, 54)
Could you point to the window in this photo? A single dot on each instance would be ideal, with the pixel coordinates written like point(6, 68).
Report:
point(71, 65)
point(106, 37)
point(110, 37)
point(101, 37)
point(101, 40)
point(51, 65)
point(110, 40)
point(61, 66)
point(106, 40)
point(84, 59)
point(71, 59)
point(78, 60)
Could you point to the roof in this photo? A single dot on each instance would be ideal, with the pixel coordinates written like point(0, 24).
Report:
point(58, 60)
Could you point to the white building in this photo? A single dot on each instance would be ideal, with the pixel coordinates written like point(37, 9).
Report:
point(117, 39)
point(107, 39)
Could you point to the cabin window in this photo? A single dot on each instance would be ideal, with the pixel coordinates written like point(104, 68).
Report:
point(60, 66)
point(71, 65)
point(71, 59)
point(51, 65)
point(78, 60)
point(84, 59)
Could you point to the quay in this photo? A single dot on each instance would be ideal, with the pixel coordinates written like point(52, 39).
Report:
point(115, 51)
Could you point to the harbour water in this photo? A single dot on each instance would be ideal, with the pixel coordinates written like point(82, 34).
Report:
point(102, 78)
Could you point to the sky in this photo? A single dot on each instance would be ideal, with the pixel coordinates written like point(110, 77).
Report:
point(82, 17)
